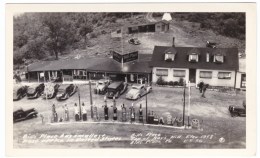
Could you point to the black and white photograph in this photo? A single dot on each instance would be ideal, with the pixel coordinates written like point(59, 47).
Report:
point(129, 80)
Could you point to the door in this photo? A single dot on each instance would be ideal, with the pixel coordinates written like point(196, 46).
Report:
point(243, 80)
point(192, 75)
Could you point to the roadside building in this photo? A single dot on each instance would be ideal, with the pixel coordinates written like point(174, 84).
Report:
point(216, 67)
point(159, 26)
point(93, 68)
point(241, 75)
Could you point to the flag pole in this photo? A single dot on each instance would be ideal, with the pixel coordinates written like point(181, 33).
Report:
point(189, 104)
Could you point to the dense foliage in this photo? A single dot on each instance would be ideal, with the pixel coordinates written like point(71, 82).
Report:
point(46, 35)
point(227, 24)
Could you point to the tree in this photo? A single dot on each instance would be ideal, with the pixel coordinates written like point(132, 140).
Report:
point(59, 32)
point(84, 30)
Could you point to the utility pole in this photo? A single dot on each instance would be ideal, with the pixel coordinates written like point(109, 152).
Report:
point(183, 105)
point(79, 104)
point(189, 104)
point(90, 95)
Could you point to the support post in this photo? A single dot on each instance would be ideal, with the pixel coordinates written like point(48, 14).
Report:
point(183, 116)
point(38, 77)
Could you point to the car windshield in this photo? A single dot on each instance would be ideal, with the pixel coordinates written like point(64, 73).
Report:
point(100, 83)
point(135, 87)
point(110, 90)
point(60, 91)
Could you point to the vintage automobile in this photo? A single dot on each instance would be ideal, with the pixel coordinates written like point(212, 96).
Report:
point(237, 111)
point(137, 91)
point(35, 91)
point(19, 114)
point(134, 41)
point(211, 45)
point(19, 92)
point(101, 86)
point(50, 91)
point(116, 89)
point(65, 91)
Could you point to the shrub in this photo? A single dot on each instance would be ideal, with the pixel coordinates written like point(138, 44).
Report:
point(171, 83)
point(181, 82)
point(160, 81)
point(175, 83)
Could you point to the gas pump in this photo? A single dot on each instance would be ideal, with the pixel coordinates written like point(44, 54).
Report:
point(114, 109)
point(150, 117)
point(123, 113)
point(132, 113)
point(105, 109)
point(141, 114)
point(95, 112)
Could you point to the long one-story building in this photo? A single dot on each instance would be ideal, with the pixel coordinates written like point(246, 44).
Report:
point(159, 26)
point(93, 68)
point(214, 66)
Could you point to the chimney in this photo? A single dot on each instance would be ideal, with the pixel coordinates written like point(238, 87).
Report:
point(173, 42)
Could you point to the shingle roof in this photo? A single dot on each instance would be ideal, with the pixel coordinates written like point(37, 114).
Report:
point(110, 65)
point(94, 64)
point(181, 58)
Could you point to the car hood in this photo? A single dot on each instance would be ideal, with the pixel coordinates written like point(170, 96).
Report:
point(100, 86)
point(132, 92)
point(31, 90)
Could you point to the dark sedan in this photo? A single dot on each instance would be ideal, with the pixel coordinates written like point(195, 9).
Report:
point(35, 91)
point(65, 91)
point(19, 114)
point(19, 92)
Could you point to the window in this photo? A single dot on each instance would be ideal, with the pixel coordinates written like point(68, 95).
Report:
point(218, 58)
point(179, 73)
point(169, 57)
point(193, 58)
point(207, 57)
point(162, 72)
point(205, 74)
point(224, 75)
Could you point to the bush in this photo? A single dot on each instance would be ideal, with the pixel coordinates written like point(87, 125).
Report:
point(171, 83)
point(181, 82)
point(160, 81)
point(175, 83)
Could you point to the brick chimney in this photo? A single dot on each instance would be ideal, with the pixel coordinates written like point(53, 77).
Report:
point(173, 42)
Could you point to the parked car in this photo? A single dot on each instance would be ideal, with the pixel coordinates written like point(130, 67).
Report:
point(65, 91)
point(134, 41)
point(237, 111)
point(50, 91)
point(137, 91)
point(35, 91)
point(116, 89)
point(19, 92)
point(101, 86)
point(19, 114)
point(211, 45)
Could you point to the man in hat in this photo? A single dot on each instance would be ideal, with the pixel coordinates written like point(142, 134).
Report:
point(201, 84)
point(204, 88)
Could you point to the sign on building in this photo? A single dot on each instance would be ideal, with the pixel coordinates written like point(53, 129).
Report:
point(126, 57)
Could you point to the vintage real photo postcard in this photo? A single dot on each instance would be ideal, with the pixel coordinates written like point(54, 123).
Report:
point(131, 76)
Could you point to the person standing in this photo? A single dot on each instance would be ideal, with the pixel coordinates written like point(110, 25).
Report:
point(201, 84)
point(114, 109)
point(95, 112)
point(204, 88)
point(84, 112)
point(76, 112)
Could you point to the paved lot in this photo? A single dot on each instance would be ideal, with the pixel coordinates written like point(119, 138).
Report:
point(212, 111)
